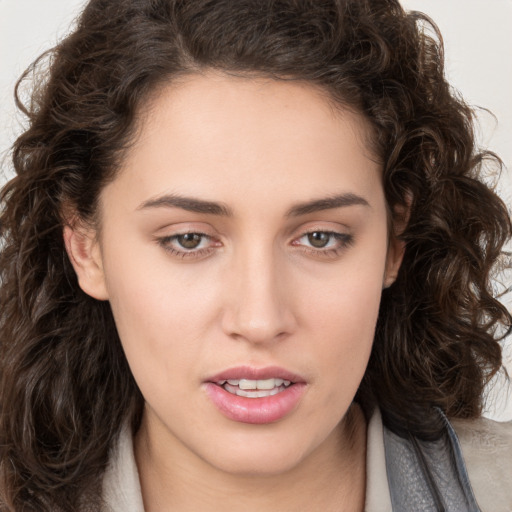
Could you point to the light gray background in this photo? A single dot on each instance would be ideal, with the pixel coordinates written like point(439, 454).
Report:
point(479, 64)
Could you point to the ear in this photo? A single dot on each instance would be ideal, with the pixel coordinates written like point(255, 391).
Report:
point(396, 247)
point(396, 251)
point(84, 253)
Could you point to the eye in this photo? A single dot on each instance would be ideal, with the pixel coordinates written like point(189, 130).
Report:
point(323, 243)
point(188, 245)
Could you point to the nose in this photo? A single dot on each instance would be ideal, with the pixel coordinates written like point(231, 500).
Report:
point(259, 306)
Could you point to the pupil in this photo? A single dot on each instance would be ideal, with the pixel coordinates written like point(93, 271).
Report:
point(319, 239)
point(189, 240)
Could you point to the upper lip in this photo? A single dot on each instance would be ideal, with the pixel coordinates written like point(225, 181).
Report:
point(252, 373)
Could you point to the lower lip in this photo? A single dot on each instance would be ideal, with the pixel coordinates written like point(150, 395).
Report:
point(255, 410)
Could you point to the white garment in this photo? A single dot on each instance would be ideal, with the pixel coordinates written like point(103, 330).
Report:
point(486, 445)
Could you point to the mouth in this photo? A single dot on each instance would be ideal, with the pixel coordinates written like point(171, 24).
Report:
point(251, 388)
point(251, 395)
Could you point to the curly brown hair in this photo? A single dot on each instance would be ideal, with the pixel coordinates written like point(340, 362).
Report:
point(66, 388)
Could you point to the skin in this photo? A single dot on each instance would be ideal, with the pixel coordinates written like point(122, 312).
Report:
point(255, 292)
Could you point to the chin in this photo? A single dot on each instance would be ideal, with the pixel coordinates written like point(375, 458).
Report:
point(260, 455)
point(260, 465)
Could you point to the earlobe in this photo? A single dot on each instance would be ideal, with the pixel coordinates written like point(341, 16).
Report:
point(85, 256)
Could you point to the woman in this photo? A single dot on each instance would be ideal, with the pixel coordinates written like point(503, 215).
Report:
point(247, 263)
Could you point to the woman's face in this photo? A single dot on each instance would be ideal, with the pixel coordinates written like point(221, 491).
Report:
point(244, 245)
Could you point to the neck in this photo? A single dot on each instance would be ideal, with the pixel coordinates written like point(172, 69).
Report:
point(332, 478)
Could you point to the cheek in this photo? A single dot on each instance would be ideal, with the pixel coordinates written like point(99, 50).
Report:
point(147, 287)
point(341, 312)
point(348, 298)
point(347, 327)
point(162, 316)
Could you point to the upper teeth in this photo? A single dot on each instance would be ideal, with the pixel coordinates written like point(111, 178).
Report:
point(255, 384)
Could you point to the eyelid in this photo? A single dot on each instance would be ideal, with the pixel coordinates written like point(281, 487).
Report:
point(184, 227)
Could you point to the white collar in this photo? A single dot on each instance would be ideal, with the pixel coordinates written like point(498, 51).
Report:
point(378, 498)
point(121, 485)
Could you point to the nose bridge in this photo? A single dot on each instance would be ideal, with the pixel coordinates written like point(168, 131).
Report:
point(259, 308)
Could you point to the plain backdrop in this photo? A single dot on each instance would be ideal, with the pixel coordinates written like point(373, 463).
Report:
point(478, 63)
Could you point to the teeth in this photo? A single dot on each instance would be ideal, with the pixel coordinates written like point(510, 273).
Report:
point(254, 388)
point(266, 384)
point(263, 384)
point(248, 384)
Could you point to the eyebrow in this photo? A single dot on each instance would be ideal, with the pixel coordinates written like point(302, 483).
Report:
point(195, 205)
point(327, 203)
point(189, 204)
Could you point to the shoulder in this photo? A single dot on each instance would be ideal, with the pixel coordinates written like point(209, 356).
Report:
point(487, 449)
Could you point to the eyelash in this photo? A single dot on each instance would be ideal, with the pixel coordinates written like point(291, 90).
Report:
point(344, 241)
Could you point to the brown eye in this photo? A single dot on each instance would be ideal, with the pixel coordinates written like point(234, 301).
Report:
point(189, 240)
point(319, 239)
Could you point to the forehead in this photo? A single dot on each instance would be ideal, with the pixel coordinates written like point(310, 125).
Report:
point(253, 134)
point(216, 99)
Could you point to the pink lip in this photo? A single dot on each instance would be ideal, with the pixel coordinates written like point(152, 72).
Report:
point(255, 410)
